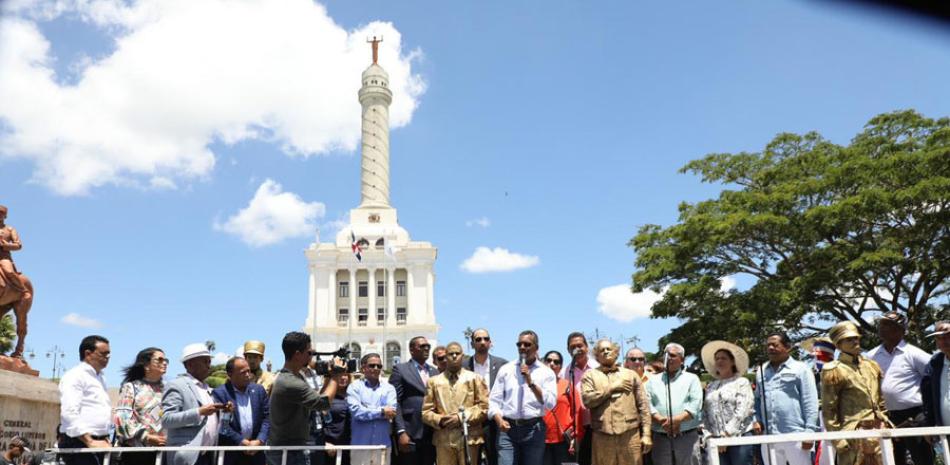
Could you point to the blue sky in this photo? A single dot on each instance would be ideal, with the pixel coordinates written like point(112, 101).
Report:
point(560, 123)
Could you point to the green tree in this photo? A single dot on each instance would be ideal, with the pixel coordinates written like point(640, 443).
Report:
point(824, 233)
point(7, 334)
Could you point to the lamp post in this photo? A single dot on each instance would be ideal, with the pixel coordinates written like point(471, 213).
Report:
point(57, 354)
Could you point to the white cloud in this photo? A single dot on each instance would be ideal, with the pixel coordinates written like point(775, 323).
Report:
point(619, 303)
point(75, 319)
point(484, 222)
point(727, 283)
point(486, 260)
point(272, 216)
point(184, 74)
point(220, 358)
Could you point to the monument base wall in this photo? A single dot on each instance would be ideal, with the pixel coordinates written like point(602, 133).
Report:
point(29, 407)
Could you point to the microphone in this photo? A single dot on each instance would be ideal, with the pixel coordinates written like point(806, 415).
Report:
point(575, 352)
point(522, 359)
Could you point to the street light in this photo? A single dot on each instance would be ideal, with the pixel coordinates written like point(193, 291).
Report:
point(57, 354)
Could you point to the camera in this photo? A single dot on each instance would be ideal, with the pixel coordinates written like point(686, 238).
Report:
point(327, 367)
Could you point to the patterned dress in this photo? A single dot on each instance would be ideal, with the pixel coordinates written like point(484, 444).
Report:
point(138, 411)
point(729, 406)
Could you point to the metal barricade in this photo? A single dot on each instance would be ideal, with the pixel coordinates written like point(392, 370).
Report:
point(886, 437)
point(160, 452)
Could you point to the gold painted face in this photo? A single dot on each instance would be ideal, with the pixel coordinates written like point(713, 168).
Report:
point(606, 353)
point(453, 357)
point(850, 345)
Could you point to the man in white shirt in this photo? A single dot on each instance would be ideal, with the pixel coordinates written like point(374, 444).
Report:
point(85, 408)
point(523, 391)
point(904, 367)
point(486, 365)
point(190, 414)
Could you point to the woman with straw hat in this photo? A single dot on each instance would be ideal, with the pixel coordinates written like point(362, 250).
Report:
point(728, 408)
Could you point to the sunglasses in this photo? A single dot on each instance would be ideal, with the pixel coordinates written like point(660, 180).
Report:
point(440, 359)
point(524, 344)
point(482, 339)
point(160, 361)
point(424, 346)
point(552, 360)
point(375, 366)
point(636, 359)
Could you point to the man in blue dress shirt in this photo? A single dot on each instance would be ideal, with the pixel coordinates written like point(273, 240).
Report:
point(523, 391)
point(372, 404)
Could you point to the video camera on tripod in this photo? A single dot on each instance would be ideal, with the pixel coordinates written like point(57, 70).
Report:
point(327, 367)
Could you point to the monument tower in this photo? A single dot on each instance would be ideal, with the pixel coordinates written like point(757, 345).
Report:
point(378, 302)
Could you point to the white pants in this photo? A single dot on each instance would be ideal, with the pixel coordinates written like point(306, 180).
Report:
point(790, 453)
point(369, 457)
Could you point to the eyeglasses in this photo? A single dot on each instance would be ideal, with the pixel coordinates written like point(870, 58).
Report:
point(440, 359)
point(636, 359)
point(482, 339)
point(375, 366)
point(524, 344)
point(160, 361)
point(552, 360)
point(424, 346)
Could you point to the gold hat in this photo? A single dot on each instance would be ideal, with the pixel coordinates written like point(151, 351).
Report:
point(843, 330)
point(254, 347)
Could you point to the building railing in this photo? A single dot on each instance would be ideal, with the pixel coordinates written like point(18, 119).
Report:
point(159, 452)
point(886, 436)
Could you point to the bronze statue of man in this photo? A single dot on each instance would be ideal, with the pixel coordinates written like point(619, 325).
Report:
point(9, 242)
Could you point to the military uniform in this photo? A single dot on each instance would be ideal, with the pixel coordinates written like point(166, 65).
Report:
point(260, 375)
point(445, 394)
point(620, 421)
point(851, 400)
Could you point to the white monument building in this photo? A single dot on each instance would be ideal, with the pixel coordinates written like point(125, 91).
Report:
point(379, 303)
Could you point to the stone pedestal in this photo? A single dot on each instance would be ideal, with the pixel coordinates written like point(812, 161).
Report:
point(16, 365)
point(29, 407)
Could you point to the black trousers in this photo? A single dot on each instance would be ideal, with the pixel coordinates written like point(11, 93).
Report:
point(78, 459)
point(921, 452)
point(584, 450)
point(423, 454)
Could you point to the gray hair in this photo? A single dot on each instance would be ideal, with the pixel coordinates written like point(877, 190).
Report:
point(674, 347)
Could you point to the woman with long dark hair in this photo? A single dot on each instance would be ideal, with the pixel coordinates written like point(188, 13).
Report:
point(138, 414)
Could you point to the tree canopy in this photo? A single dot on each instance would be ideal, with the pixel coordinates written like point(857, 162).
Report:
point(815, 233)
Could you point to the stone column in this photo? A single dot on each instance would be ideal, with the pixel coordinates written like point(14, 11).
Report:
point(430, 296)
point(391, 297)
point(354, 288)
point(331, 299)
point(371, 283)
point(410, 292)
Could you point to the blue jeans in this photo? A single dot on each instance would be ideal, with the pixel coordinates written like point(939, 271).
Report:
point(294, 457)
point(737, 455)
point(522, 445)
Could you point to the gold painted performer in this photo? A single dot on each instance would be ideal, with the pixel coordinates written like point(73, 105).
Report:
point(455, 388)
point(254, 354)
point(619, 410)
point(851, 397)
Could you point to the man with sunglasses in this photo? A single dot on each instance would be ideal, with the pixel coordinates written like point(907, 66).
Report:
point(486, 365)
point(410, 379)
point(372, 404)
point(636, 360)
point(439, 358)
point(524, 390)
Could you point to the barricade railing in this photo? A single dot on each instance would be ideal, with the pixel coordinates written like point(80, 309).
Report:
point(886, 436)
point(160, 451)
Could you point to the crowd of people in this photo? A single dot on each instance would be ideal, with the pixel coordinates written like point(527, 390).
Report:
point(592, 407)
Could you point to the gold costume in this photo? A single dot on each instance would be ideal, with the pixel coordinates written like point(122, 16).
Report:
point(445, 394)
point(264, 378)
point(618, 420)
point(850, 400)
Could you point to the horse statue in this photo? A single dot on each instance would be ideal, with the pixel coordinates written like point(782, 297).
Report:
point(20, 303)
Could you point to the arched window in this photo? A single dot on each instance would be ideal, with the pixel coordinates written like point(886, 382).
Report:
point(393, 354)
point(342, 316)
point(381, 243)
point(356, 351)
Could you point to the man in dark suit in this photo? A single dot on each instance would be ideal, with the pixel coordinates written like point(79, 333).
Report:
point(413, 437)
point(250, 421)
point(931, 390)
point(486, 366)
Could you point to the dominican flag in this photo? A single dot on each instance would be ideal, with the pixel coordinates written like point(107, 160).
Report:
point(357, 249)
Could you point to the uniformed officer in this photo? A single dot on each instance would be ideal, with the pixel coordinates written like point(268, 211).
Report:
point(851, 397)
point(254, 354)
point(455, 390)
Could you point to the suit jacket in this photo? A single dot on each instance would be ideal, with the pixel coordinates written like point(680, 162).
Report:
point(181, 420)
point(494, 365)
point(230, 433)
point(930, 391)
point(410, 391)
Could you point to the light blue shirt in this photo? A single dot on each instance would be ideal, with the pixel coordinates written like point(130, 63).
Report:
point(791, 398)
point(368, 425)
point(686, 394)
point(245, 414)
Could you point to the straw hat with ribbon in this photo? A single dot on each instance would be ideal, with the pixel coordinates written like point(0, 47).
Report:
point(709, 357)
